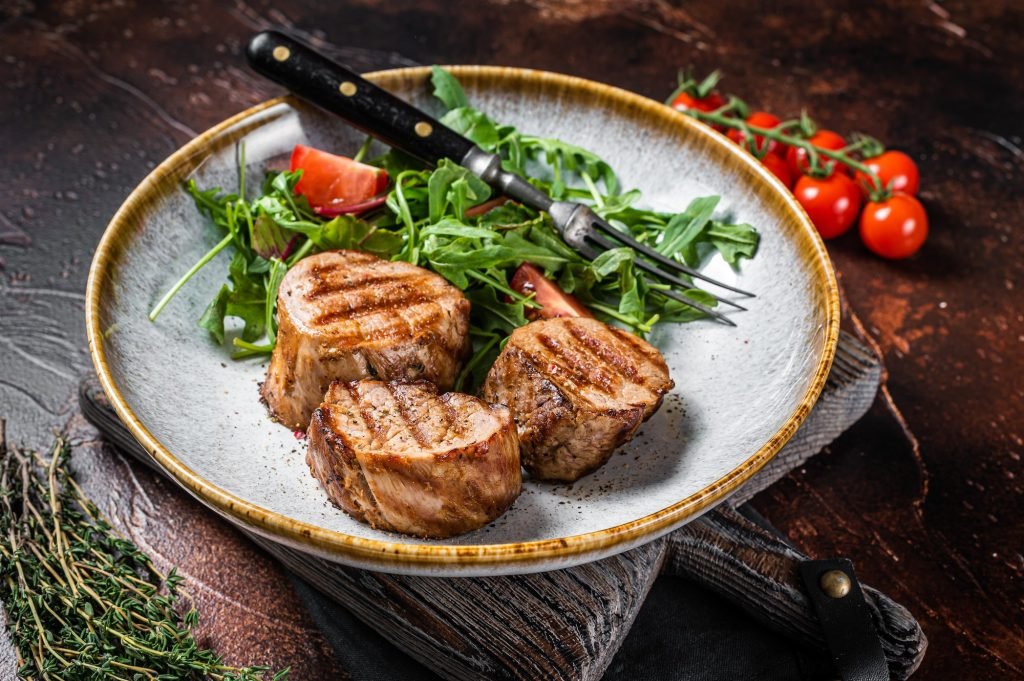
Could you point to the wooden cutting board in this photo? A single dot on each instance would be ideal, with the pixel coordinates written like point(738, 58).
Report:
point(568, 624)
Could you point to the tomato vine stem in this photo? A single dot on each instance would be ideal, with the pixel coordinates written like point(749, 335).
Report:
point(720, 117)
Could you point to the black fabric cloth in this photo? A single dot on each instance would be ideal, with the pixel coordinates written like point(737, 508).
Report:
point(683, 633)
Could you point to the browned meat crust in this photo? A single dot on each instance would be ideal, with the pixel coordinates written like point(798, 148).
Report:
point(346, 315)
point(578, 389)
point(401, 457)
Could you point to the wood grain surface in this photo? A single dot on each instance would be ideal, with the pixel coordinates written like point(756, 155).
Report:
point(93, 95)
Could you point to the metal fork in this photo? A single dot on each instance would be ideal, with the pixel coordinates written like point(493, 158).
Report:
point(339, 90)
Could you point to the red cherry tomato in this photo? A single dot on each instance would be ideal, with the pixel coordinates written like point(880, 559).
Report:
point(709, 102)
point(329, 182)
point(895, 228)
point(891, 167)
point(823, 139)
point(779, 168)
point(831, 202)
point(554, 301)
point(760, 119)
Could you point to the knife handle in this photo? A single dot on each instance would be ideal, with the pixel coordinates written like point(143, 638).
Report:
point(333, 87)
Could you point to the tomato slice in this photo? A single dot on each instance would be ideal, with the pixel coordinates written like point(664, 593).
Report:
point(351, 208)
point(329, 181)
point(554, 301)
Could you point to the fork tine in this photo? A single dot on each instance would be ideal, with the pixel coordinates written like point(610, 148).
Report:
point(664, 260)
point(662, 274)
point(703, 308)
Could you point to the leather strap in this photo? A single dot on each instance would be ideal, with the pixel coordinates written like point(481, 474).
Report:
point(845, 619)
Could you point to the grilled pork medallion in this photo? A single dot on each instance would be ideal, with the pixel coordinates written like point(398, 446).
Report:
point(578, 389)
point(346, 315)
point(401, 457)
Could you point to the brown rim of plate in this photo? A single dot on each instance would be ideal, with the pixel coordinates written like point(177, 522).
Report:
point(398, 554)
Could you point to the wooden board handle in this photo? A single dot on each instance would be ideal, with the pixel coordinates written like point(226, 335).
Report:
point(759, 572)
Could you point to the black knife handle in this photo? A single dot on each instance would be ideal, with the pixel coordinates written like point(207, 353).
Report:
point(341, 91)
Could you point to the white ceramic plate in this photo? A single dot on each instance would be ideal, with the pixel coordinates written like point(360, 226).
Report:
point(740, 392)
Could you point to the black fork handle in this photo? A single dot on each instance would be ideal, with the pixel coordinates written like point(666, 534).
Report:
point(333, 87)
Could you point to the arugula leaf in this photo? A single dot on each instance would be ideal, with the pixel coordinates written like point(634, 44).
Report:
point(564, 156)
point(633, 289)
point(453, 187)
point(454, 262)
point(677, 312)
point(277, 271)
point(210, 202)
point(507, 214)
point(684, 231)
point(395, 162)
point(733, 241)
point(456, 228)
point(534, 253)
point(491, 314)
point(612, 260)
point(213, 316)
point(381, 242)
point(542, 232)
point(448, 89)
point(247, 300)
point(268, 239)
point(486, 346)
point(475, 125)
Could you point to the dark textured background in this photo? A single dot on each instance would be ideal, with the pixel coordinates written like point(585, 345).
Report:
point(94, 94)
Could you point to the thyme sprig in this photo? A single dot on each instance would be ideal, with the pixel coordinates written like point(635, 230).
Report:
point(82, 602)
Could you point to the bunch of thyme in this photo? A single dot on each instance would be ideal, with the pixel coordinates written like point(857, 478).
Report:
point(81, 601)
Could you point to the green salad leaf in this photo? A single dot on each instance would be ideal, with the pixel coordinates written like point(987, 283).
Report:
point(444, 219)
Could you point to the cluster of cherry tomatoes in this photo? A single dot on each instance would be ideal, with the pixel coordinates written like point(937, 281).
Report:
point(834, 188)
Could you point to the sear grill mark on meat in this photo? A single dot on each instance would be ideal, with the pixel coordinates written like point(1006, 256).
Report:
point(578, 389)
point(406, 410)
point(322, 288)
point(396, 298)
point(346, 315)
point(424, 464)
point(565, 360)
point(602, 353)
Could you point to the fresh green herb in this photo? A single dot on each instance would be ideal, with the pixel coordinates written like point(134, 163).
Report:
point(81, 601)
point(426, 220)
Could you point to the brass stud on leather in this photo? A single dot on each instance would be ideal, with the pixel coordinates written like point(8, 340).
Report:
point(347, 88)
point(835, 583)
point(281, 53)
point(423, 129)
